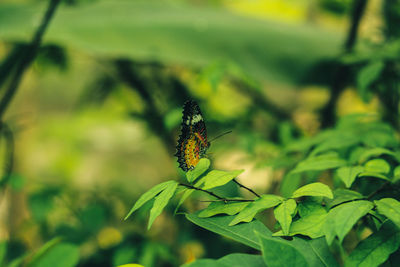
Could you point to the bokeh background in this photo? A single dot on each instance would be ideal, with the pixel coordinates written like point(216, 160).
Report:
point(97, 114)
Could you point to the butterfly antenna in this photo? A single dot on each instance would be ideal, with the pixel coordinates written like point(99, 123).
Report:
point(218, 136)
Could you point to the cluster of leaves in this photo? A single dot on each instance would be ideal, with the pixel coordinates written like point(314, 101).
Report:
point(360, 156)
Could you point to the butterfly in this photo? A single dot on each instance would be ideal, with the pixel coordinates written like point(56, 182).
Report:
point(192, 143)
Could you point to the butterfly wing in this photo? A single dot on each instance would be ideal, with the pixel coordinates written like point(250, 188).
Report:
point(192, 144)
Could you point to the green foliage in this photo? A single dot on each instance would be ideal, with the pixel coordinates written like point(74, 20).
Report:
point(342, 218)
point(217, 178)
point(201, 167)
point(311, 210)
point(150, 195)
point(234, 259)
point(273, 256)
point(283, 214)
point(375, 250)
point(260, 204)
point(314, 189)
point(390, 208)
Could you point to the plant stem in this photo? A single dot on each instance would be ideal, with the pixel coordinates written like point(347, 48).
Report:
point(205, 191)
point(245, 187)
point(215, 195)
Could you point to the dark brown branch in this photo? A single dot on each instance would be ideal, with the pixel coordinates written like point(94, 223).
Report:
point(215, 195)
point(340, 77)
point(9, 153)
point(28, 57)
point(202, 190)
point(245, 187)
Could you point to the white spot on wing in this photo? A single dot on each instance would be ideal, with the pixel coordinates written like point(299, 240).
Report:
point(196, 118)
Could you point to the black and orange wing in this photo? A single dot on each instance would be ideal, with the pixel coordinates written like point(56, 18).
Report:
point(192, 143)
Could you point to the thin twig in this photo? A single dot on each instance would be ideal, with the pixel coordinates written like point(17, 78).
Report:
point(229, 200)
point(205, 191)
point(245, 187)
point(215, 195)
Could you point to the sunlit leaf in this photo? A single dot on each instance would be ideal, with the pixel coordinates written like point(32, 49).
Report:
point(314, 189)
point(263, 203)
point(375, 152)
point(389, 207)
point(200, 168)
point(377, 165)
point(278, 253)
point(349, 174)
point(161, 201)
point(223, 208)
point(149, 195)
point(376, 249)
point(283, 214)
point(218, 178)
point(373, 174)
point(342, 218)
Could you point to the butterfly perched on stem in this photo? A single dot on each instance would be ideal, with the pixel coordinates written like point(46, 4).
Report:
point(192, 144)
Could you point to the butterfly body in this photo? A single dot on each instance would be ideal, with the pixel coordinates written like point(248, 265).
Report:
point(192, 143)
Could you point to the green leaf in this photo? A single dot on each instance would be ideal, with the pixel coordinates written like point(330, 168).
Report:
point(243, 233)
point(149, 195)
point(277, 253)
point(319, 163)
point(200, 168)
point(260, 204)
point(374, 174)
point(311, 225)
point(315, 251)
point(283, 214)
point(389, 207)
point(307, 208)
point(375, 152)
point(187, 192)
point(289, 184)
point(161, 201)
point(342, 195)
point(377, 165)
point(367, 75)
point(62, 254)
point(396, 174)
point(223, 208)
point(349, 174)
point(218, 178)
point(234, 260)
point(341, 219)
point(314, 189)
point(376, 249)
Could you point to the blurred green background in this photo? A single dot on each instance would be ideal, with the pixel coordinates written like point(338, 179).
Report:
point(97, 115)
